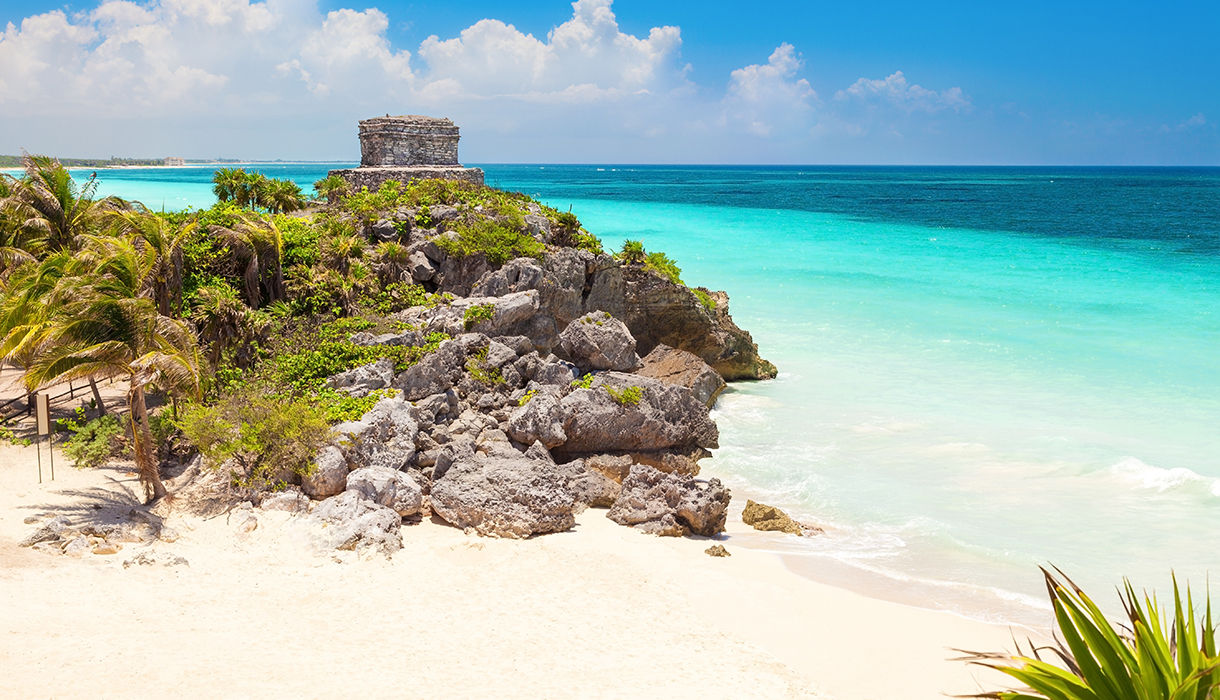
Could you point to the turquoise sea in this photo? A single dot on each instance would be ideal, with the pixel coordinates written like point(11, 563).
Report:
point(981, 369)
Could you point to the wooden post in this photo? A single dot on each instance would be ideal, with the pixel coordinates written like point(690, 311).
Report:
point(44, 428)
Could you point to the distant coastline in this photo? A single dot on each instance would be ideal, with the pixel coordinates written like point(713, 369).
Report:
point(11, 161)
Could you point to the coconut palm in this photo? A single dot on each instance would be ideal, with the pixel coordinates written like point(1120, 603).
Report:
point(282, 196)
point(228, 183)
point(96, 322)
point(166, 240)
point(17, 246)
point(226, 324)
point(332, 188)
point(56, 210)
point(257, 247)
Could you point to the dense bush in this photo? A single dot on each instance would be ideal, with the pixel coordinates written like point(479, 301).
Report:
point(498, 242)
point(270, 437)
point(94, 442)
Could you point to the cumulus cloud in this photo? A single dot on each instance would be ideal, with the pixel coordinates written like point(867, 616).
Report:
point(770, 96)
point(895, 90)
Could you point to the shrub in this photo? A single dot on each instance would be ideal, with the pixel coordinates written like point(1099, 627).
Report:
point(661, 264)
point(476, 313)
point(476, 365)
point(628, 396)
point(1147, 657)
point(495, 240)
point(705, 299)
point(269, 436)
point(397, 296)
point(632, 253)
point(96, 441)
point(583, 383)
point(527, 397)
point(341, 408)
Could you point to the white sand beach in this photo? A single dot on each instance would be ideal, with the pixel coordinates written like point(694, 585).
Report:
point(603, 611)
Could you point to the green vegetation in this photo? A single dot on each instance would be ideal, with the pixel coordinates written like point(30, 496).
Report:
point(111, 162)
point(632, 253)
point(583, 382)
point(496, 241)
point(257, 191)
point(476, 313)
point(1148, 657)
point(94, 442)
point(704, 298)
point(627, 396)
point(527, 397)
point(476, 365)
point(269, 438)
point(235, 314)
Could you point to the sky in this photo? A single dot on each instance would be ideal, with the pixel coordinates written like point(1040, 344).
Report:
point(626, 81)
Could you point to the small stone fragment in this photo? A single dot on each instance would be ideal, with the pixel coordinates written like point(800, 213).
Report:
point(77, 547)
point(717, 550)
point(107, 548)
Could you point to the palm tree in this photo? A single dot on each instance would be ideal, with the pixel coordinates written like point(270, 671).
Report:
point(225, 323)
point(56, 210)
point(166, 240)
point(332, 188)
point(227, 183)
point(96, 322)
point(283, 196)
point(257, 247)
point(390, 261)
point(17, 246)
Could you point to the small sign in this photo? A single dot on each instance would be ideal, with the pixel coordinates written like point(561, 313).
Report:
point(43, 403)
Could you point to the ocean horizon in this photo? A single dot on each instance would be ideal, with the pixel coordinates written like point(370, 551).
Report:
point(983, 369)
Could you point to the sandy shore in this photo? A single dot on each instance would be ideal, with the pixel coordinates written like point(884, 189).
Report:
point(603, 611)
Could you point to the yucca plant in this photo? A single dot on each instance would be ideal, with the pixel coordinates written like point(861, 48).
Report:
point(1148, 657)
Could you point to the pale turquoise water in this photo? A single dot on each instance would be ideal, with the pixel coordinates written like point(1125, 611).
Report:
point(982, 370)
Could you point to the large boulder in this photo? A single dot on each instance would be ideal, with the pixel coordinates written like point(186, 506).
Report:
point(598, 341)
point(383, 437)
point(364, 379)
point(670, 504)
point(674, 366)
point(329, 474)
point(659, 311)
point(539, 419)
point(353, 522)
point(434, 374)
point(502, 496)
point(618, 413)
point(388, 487)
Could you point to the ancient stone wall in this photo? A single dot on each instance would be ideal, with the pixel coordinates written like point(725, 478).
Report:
point(373, 177)
point(408, 140)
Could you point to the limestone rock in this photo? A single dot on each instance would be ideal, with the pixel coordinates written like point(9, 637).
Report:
point(598, 341)
point(329, 475)
point(434, 374)
point(107, 548)
point(77, 547)
point(659, 311)
point(388, 487)
point(669, 504)
point(290, 501)
point(351, 522)
point(769, 518)
point(665, 417)
point(362, 380)
point(52, 530)
point(674, 366)
point(420, 266)
point(589, 487)
point(155, 559)
point(538, 420)
point(717, 550)
point(383, 437)
point(503, 497)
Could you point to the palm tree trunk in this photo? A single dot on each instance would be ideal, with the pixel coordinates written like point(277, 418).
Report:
point(146, 454)
point(97, 397)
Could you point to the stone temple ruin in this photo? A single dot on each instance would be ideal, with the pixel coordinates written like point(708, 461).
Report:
point(406, 148)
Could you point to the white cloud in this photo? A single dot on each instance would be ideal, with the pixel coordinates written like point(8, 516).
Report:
point(769, 97)
point(1196, 121)
point(895, 90)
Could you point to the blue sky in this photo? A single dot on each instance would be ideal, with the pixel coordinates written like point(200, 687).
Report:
point(632, 81)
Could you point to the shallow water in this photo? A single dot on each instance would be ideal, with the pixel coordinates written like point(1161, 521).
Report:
point(982, 369)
